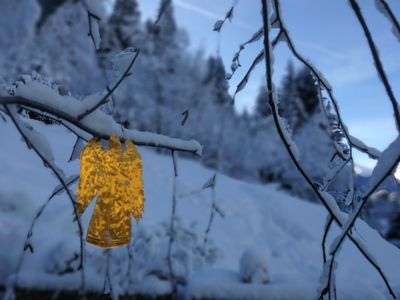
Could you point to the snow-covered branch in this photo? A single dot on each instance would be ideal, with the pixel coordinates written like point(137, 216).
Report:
point(255, 62)
point(385, 167)
point(326, 199)
point(36, 95)
point(228, 16)
point(361, 146)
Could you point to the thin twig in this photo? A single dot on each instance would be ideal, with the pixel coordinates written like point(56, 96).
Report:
point(164, 6)
point(377, 61)
point(329, 180)
point(214, 209)
point(60, 178)
point(97, 19)
point(391, 16)
point(255, 62)
point(27, 243)
point(111, 90)
point(328, 224)
point(172, 230)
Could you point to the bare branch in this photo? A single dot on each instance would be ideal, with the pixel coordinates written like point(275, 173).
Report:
point(172, 230)
point(91, 34)
point(185, 115)
point(211, 183)
point(164, 5)
point(328, 224)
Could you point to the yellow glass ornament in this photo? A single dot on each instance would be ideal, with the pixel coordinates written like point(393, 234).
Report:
point(115, 177)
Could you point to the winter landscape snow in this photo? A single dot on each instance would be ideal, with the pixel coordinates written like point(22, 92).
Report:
point(278, 234)
point(268, 155)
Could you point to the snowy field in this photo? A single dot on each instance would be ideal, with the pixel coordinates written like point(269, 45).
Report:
point(279, 230)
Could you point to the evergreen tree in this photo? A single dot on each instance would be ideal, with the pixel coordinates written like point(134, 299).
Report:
point(17, 39)
point(48, 7)
point(261, 109)
point(307, 90)
point(153, 98)
point(122, 30)
point(64, 52)
point(216, 79)
point(163, 36)
point(298, 97)
point(290, 106)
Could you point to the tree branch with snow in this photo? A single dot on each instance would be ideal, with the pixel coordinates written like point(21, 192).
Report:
point(326, 199)
point(37, 96)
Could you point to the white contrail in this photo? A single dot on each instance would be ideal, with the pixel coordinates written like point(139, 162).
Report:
point(208, 14)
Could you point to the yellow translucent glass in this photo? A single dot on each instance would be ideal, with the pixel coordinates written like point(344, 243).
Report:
point(115, 177)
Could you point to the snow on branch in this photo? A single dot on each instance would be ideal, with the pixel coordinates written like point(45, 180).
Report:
point(326, 199)
point(385, 167)
point(228, 16)
point(236, 58)
point(259, 58)
point(37, 95)
point(359, 145)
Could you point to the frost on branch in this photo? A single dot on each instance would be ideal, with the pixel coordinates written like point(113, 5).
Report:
point(229, 15)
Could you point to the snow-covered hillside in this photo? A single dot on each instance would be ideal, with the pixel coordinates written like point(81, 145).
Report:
point(286, 232)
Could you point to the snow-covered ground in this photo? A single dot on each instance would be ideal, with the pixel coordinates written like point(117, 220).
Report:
point(286, 232)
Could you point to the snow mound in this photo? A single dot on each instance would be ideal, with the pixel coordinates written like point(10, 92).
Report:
point(253, 267)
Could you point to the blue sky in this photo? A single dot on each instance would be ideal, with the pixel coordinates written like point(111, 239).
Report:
point(328, 34)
